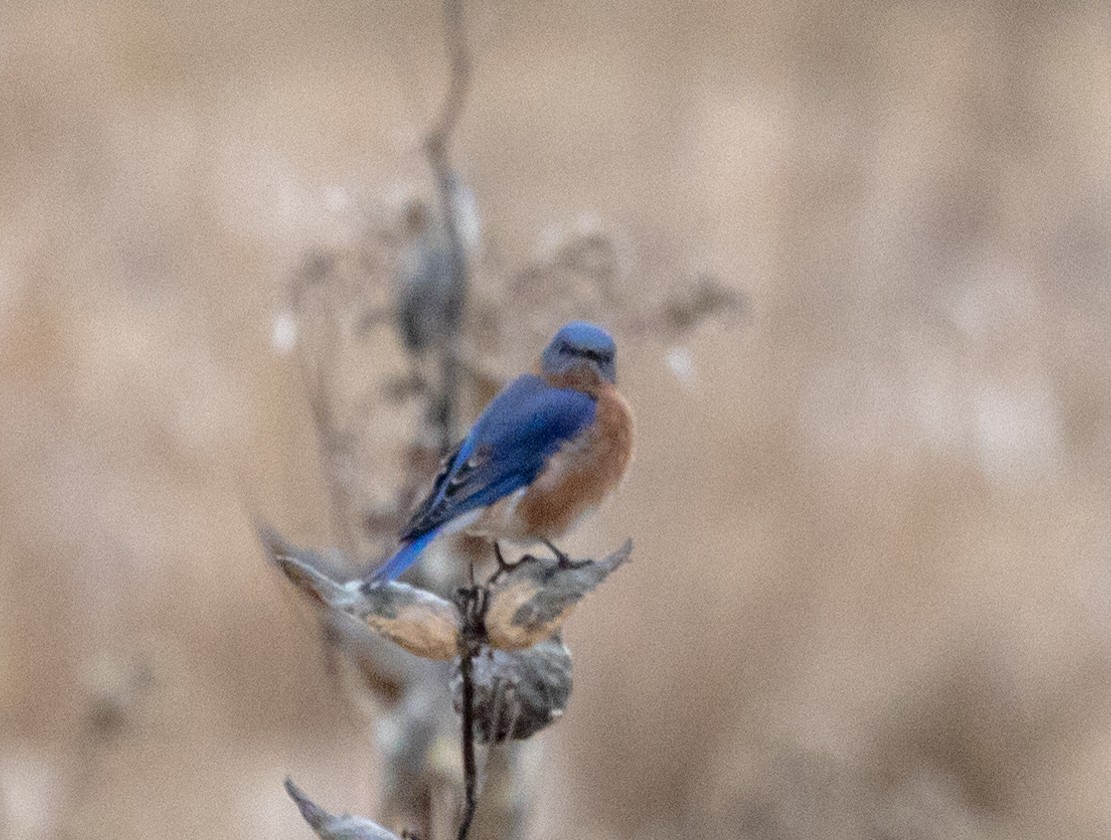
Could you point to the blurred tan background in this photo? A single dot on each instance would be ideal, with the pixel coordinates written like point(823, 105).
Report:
point(871, 592)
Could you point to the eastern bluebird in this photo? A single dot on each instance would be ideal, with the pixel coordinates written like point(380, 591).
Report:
point(547, 450)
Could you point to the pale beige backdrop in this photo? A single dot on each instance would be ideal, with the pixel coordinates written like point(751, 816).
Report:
point(870, 596)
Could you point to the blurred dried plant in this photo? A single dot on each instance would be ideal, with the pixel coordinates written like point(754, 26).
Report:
point(114, 691)
point(366, 452)
point(511, 674)
point(381, 435)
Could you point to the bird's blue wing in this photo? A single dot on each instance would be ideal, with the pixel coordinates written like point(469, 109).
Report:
point(506, 449)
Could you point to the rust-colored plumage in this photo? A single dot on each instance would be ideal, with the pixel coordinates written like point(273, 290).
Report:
point(576, 479)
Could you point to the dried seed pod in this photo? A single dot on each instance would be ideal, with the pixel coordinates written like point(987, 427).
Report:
point(532, 601)
point(420, 622)
point(524, 607)
point(517, 693)
point(335, 826)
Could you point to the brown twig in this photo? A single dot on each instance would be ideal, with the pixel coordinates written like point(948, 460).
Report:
point(436, 147)
point(459, 80)
point(469, 601)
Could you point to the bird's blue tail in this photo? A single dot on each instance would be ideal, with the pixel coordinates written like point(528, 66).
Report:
point(405, 557)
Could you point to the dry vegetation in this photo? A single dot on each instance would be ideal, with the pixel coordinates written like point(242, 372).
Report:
point(871, 594)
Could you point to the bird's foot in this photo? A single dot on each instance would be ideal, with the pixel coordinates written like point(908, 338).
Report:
point(504, 566)
point(563, 560)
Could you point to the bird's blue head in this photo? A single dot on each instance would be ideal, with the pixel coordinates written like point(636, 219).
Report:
point(580, 347)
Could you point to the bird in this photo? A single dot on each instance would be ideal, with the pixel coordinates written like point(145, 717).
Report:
point(545, 453)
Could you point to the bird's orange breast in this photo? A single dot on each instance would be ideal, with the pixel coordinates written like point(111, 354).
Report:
point(580, 475)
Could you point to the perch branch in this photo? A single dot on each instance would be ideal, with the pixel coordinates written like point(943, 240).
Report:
point(470, 602)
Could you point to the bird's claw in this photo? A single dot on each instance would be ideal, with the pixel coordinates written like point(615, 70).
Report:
point(563, 560)
point(504, 566)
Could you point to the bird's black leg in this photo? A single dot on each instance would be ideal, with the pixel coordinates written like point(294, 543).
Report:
point(503, 565)
point(564, 560)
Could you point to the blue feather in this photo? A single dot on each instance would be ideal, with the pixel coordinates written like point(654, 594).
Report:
point(405, 557)
point(507, 448)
